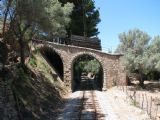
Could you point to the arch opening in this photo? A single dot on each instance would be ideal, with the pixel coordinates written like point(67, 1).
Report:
point(54, 59)
point(87, 73)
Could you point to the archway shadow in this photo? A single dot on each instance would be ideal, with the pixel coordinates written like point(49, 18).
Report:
point(84, 67)
point(54, 59)
point(86, 84)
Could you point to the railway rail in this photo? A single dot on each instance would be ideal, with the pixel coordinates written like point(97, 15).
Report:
point(83, 105)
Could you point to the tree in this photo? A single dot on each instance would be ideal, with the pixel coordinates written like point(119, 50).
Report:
point(45, 16)
point(9, 2)
point(87, 64)
point(153, 63)
point(4, 12)
point(84, 18)
point(134, 46)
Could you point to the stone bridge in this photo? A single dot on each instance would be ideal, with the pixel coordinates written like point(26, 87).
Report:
point(113, 71)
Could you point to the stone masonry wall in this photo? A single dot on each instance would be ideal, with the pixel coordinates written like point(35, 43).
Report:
point(113, 71)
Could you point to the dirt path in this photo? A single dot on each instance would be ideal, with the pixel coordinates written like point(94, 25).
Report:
point(96, 105)
point(82, 105)
point(115, 107)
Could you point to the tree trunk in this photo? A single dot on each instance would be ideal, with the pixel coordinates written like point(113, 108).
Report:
point(4, 55)
point(141, 80)
point(128, 81)
point(5, 17)
point(22, 51)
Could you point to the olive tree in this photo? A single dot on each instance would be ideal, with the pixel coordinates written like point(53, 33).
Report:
point(45, 16)
point(153, 63)
point(134, 46)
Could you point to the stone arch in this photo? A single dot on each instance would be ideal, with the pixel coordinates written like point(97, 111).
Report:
point(97, 57)
point(52, 51)
point(68, 53)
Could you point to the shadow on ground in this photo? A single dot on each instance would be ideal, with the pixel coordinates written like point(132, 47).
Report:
point(37, 98)
point(151, 86)
point(74, 110)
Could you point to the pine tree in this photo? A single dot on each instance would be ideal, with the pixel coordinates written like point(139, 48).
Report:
point(84, 18)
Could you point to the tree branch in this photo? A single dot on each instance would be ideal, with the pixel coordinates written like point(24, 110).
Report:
point(5, 16)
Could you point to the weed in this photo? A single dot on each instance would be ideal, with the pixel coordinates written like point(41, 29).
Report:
point(134, 103)
point(32, 62)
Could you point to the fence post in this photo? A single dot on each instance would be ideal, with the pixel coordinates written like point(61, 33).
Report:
point(146, 102)
point(139, 100)
point(151, 107)
point(142, 100)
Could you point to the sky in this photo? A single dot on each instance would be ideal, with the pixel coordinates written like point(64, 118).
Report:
point(119, 16)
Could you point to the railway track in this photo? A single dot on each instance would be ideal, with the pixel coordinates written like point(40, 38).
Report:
point(83, 105)
point(88, 107)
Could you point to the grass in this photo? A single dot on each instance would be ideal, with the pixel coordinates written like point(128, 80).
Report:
point(134, 103)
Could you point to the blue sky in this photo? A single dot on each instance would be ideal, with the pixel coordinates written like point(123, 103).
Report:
point(119, 16)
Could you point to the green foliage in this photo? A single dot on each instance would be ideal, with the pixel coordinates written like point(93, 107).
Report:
point(92, 67)
point(153, 63)
point(88, 66)
point(33, 17)
point(134, 45)
point(141, 54)
point(135, 39)
point(32, 61)
point(41, 15)
point(30, 18)
point(81, 9)
point(58, 17)
point(135, 103)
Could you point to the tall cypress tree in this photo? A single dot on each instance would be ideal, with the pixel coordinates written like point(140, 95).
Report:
point(84, 18)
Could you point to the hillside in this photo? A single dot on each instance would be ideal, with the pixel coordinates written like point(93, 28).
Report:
point(39, 90)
